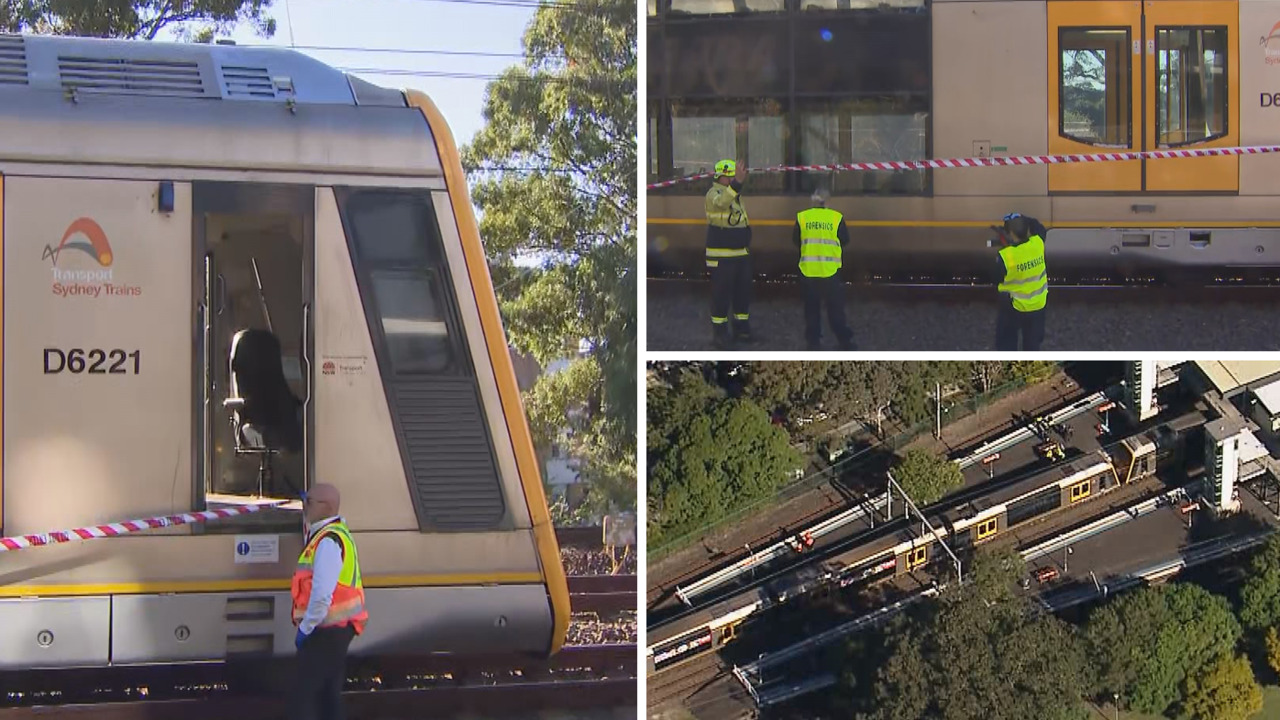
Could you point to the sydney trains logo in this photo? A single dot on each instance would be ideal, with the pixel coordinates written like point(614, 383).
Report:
point(96, 246)
point(86, 236)
point(1271, 45)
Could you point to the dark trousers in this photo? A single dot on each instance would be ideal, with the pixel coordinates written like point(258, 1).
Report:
point(828, 290)
point(731, 287)
point(322, 672)
point(1010, 324)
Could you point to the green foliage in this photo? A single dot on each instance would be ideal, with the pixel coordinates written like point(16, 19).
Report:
point(1260, 597)
point(1272, 644)
point(1031, 372)
point(927, 478)
point(707, 455)
point(569, 114)
point(996, 572)
point(193, 20)
point(1224, 689)
point(1146, 644)
point(982, 658)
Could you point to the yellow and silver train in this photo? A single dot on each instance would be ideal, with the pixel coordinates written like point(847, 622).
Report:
point(1006, 78)
point(302, 297)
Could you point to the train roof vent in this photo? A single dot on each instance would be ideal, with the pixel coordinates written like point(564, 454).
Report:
point(247, 82)
point(13, 60)
point(131, 76)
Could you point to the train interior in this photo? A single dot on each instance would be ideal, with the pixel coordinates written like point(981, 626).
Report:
point(256, 375)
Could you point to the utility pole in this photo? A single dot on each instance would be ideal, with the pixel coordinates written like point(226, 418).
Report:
point(906, 499)
point(937, 425)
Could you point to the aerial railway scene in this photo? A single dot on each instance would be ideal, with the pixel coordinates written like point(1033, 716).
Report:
point(253, 350)
point(963, 539)
point(1139, 136)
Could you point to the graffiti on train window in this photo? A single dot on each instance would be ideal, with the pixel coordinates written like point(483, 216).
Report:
point(93, 361)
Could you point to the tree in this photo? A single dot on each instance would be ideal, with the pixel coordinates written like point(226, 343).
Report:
point(1272, 643)
point(976, 657)
point(1147, 643)
point(708, 455)
point(1031, 372)
point(925, 477)
point(554, 174)
point(985, 373)
point(194, 20)
point(1224, 689)
point(1260, 597)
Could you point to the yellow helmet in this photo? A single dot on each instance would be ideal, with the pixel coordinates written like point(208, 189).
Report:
point(726, 167)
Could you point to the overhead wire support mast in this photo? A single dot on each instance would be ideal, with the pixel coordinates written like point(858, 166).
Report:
point(912, 508)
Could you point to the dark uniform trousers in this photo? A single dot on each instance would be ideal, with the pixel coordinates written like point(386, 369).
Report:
point(828, 290)
point(731, 287)
point(1010, 324)
point(322, 668)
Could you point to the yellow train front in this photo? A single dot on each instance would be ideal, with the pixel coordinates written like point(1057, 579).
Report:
point(229, 274)
point(913, 79)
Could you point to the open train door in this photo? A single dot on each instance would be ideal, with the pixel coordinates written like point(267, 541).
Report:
point(1153, 75)
point(253, 309)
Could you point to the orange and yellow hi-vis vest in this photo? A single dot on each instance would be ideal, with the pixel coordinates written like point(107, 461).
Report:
point(348, 606)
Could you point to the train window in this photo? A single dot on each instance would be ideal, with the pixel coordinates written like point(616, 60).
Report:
point(1080, 491)
point(917, 557)
point(1191, 85)
point(844, 131)
point(653, 74)
point(862, 53)
point(987, 528)
point(1095, 75)
point(714, 58)
point(703, 133)
point(395, 233)
point(725, 7)
point(413, 320)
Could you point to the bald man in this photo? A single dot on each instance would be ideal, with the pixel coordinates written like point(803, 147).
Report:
point(328, 605)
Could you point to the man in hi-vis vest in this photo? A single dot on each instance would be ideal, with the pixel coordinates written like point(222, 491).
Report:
point(821, 235)
point(729, 255)
point(328, 606)
point(1024, 281)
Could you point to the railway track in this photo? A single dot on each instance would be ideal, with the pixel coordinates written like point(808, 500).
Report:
point(832, 502)
point(581, 677)
point(605, 595)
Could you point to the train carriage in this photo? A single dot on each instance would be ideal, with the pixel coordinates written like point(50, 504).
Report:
point(841, 82)
point(230, 273)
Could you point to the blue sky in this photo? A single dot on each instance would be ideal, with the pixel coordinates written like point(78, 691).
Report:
point(437, 25)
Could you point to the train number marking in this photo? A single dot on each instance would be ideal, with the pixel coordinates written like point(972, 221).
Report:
point(93, 361)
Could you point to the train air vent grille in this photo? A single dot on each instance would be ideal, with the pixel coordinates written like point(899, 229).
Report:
point(131, 77)
point(13, 60)
point(247, 82)
point(450, 453)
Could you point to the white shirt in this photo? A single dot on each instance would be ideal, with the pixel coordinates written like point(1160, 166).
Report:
point(325, 569)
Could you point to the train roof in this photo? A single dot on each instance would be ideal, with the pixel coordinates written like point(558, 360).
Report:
point(199, 110)
point(179, 70)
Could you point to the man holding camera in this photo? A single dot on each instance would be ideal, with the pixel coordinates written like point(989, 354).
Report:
point(1024, 280)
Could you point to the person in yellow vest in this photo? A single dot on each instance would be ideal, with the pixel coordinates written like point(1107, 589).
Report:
point(1024, 281)
point(328, 606)
point(728, 258)
point(821, 234)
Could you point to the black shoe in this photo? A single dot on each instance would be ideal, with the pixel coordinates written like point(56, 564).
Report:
point(720, 339)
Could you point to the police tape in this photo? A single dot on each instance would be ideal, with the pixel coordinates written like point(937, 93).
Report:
point(951, 163)
point(94, 532)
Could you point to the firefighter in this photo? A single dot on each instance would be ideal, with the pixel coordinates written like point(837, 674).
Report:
point(1024, 280)
point(728, 259)
point(820, 235)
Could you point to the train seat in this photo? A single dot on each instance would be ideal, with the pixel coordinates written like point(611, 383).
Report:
point(266, 417)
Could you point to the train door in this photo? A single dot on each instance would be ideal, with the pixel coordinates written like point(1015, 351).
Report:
point(1154, 75)
point(253, 379)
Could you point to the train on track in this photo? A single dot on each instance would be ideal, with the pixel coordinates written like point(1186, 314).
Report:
point(302, 297)
point(922, 79)
point(909, 548)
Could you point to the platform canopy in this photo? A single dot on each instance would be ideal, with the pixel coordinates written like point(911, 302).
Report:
point(1231, 377)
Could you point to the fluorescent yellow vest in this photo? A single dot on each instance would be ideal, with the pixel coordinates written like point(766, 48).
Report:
point(1024, 278)
point(819, 242)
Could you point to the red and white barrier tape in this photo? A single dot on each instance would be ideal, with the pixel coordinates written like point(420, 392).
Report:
point(92, 532)
point(995, 161)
